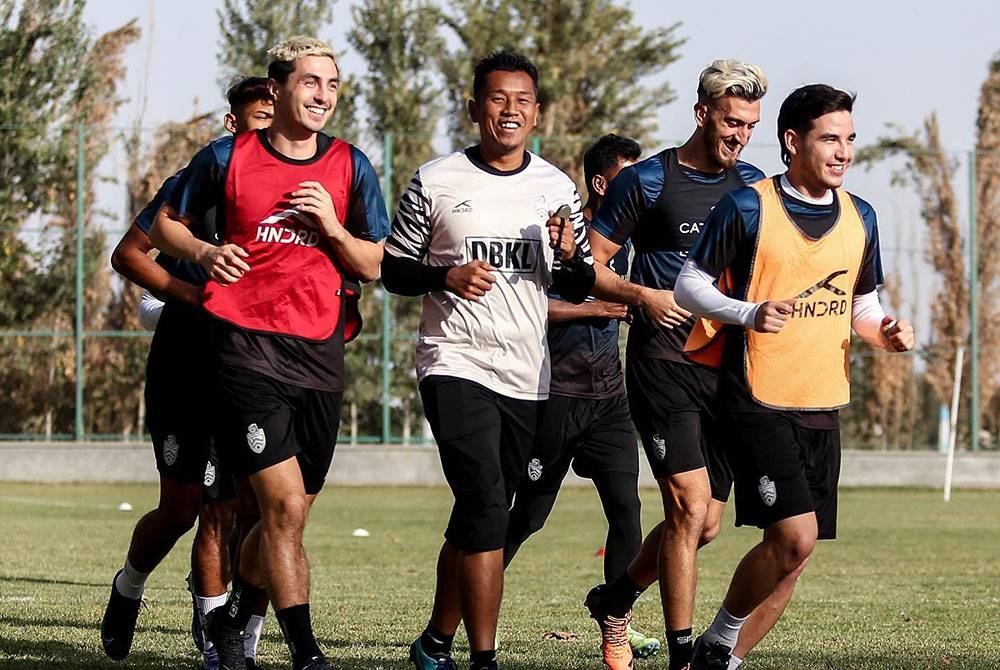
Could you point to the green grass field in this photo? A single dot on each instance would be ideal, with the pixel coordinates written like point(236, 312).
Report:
point(911, 584)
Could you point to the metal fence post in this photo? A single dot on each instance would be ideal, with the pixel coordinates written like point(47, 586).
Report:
point(386, 300)
point(973, 305)
point(536, 145)
point(78, 330)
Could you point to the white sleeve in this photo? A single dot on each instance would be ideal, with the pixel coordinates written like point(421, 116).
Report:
point(149, 310)
point(866, 319)
point(696, 292)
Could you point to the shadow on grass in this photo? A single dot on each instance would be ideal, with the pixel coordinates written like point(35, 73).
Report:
point(47, 580)
point(21, 654)
point(146, 625)
point(891, 659)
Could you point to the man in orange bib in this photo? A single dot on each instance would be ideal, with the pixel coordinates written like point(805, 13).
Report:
point(798, 258)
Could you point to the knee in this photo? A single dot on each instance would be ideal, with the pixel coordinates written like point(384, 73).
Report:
point(286, 514)
point(216, 520)
point(686, 513)
point(792, 552)
point(710, 531)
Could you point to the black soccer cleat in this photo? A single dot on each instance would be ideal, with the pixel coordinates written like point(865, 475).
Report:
point(228, 640)
point(316, 663)
point(118, 624)
point(710, 655)
point(197, 634)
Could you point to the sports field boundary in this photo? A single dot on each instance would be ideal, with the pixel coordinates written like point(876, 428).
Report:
point(370, 465)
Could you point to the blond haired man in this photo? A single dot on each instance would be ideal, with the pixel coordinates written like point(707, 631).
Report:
point(304, 213)
point(659, 205)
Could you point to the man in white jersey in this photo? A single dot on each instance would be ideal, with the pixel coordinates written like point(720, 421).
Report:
point(475, 232)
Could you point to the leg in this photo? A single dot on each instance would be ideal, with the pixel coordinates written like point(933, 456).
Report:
point(620, 500)
point(766, 615)
point(686, 499)
point(210, 549)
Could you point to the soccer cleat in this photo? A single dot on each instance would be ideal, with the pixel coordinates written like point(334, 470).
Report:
point(423, 661)
point(252, 663)
point(197, 634)
point(228, 641)
point(642, 646)
point(710, 655)
point(615, 649)
point(316, 663)
point(118, 624)
point(492, 665)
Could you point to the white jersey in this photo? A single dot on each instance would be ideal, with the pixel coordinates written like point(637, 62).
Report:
point(456, 210)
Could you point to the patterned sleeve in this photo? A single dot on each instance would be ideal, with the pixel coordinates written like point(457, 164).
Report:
point(366, 215)
point(144, 220)
point(202, 184)
point(411, 226)
point(870, 276)
point(622, 206)
point(579, 231)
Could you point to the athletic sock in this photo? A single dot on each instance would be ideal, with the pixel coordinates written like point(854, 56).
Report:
point(436, 643)
point(251, 636)
point(240, 604)
point(483, 660)
point(208, 603)
point(725, 628)
point(130, 582)
point(680, 646)
point(296, 627)
point(734, 662)
point(619, 596)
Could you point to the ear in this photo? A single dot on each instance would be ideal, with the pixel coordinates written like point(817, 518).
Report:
point(599, 184)
point(473, 110)
point(229, 121)
point(791, 142)
point(701, 114)
point(538, 113)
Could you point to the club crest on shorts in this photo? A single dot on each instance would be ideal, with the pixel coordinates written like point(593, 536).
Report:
point(256, 438)
point(768, 493)
point(209, 474)
point(534, 469)
point(660, 446)
point(170, 449)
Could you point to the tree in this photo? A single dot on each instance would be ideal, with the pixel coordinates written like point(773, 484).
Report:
point(582, 97)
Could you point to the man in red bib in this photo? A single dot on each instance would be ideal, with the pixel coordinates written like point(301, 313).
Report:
point(800, 259)
point(303, 213)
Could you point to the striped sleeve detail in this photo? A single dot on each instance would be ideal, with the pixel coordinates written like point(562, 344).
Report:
point(411, 226)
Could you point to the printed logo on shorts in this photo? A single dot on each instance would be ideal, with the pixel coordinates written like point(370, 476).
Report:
point(660, 446)
point(256, 438)
point(209, 474)
point(765, 487)
point(534, 469)
point(170, 449)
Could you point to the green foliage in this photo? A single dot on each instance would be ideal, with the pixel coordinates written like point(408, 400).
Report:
point(910, 585)
point(592, 58)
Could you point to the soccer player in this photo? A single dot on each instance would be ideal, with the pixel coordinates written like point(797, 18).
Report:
point(303, 212)
point(179, 398)
point(586, 422)
point(474, 231)
point(660, 205)
point(799, 258)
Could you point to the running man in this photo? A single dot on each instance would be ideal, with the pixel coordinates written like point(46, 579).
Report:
point(179, 397)
point(586, 421)
point(799, 257)
point(475, 232)
point(304, 211)
point(660, 205)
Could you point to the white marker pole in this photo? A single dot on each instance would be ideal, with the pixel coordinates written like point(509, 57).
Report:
point(953, 434)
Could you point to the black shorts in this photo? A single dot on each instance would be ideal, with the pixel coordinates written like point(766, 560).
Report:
point(484, 440)
point(220, 486)
point(783, 469)
point(266, 422)
point(181, 392)
point(674, 409)
point(595, 436)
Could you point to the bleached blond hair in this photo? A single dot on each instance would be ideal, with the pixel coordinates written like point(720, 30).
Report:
point(284, 54)
point(729, 76)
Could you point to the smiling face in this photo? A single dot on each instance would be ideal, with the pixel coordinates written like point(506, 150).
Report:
point(308, 96)
point(254, 115)
point(506, 112)
point(726, 125)
point(820, 158)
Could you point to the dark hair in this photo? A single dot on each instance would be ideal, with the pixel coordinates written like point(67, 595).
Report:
point(503, 61)
point(247, 90)
point(605, 154)
point(806, 104)
point(280, 69)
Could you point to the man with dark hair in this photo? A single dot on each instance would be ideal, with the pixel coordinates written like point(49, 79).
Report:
point(660, 205)
point(475, 234)
point(304, 212)
point(799, 259)
point(179, 397)
point(586, 422)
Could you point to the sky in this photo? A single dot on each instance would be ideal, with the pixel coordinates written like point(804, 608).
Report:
point(905, 60)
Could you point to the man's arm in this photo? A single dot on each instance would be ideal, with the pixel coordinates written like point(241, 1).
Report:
point(170, 233)
point(131, 260)
point(561, 311)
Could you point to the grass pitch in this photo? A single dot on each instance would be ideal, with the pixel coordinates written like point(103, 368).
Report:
point(911, 584)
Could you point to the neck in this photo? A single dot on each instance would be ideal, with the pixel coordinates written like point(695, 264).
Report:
point(692, 154)
point(295, 142)
point(502, 159)
point(817, 193)
point(593, 204)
